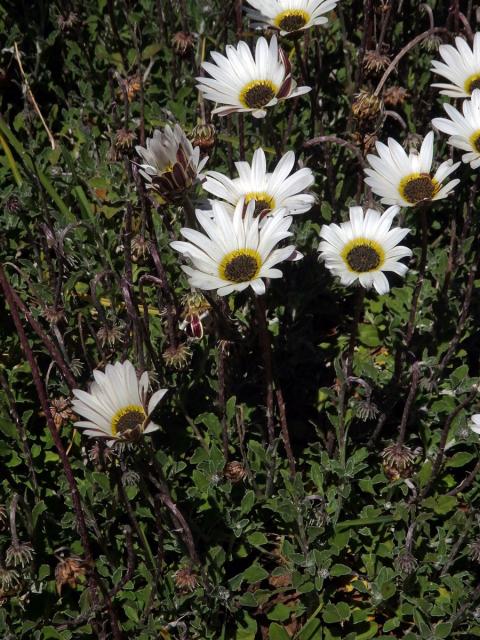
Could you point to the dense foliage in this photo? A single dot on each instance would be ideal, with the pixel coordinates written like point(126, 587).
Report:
point(332, 497)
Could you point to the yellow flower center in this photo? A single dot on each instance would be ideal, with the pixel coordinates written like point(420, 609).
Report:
point(240, 265)
point(263, 202)
point(418, 187)
point(127, 419)
point(362, 255)
point(257, 94)
point(472, 82)
point(475, 141)
point(292, 19)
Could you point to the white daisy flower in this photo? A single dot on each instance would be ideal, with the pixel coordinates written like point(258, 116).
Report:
point(234, 253)
point(170, 163)
point(271, 191)
point(461, 67)
point(464, 130)
point(364, 248)
point(475, 423)
point(116, 406)
point(407, 180)
point(243, 83)
point(289, 16)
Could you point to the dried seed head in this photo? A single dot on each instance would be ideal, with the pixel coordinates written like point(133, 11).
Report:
point(76, 365)
point(66, 23)
point(405, 562)
point(394, 96)
point(130, 478)
point(186, 580)
point(398, 461)
point(13, 204)
point(183, 42)
point(177, 357)
point(100, 454)
point(203, 136)
point(61, 411)
point(68, 571)
point(374, 61)
point(367, 108)
point(53, 315)
point(132, 86)
point(3, 516)
point(195, 302)
point(124, 139)
point(9, 579)
point(432, 43)
point(19, 553)
point(140, 247)
point(110, 335)
point(234, 471)
point(366, 410)
point(475, 550)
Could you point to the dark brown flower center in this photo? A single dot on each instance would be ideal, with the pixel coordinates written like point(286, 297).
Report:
point(419, 189)
point(363, 258)
point(241, 268)
point(259, 94)
point(261, 207)
point(473, 83)
point(292, 21)
point(130, 420)
point(475, 140)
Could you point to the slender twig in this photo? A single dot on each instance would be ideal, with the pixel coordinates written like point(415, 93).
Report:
point(443, 442)
point(76, 499)
point(285, 433)
point(408, 404)
point(466, 482)
point(266, 349)
point(413, 43)
point(31, 97)
point(319, 140)
point(22, 432)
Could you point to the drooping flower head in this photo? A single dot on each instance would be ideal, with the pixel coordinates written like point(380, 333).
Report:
point(464, 130)
point(170, 163)
point(116, 406)
point(407, 180)
point(241, 82)
point(364, 248)
point(281, 189)
point(461, 67)
point(289, 16)
point(234, 253)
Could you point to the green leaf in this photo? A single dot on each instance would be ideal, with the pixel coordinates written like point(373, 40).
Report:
point(276, 632)
point(340, 570)
point(255, 573)
point(333, 613)
point(279, 612)
point(257, 539)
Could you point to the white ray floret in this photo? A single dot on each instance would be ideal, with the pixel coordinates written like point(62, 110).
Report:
point(464, 130)
point(289, 16)
point(364, 248)
point(241, 82)
point(234, 253)
point(461, 66)
point(116, 406)
point(281, 189)
point(475, 423)
point(407, 180)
